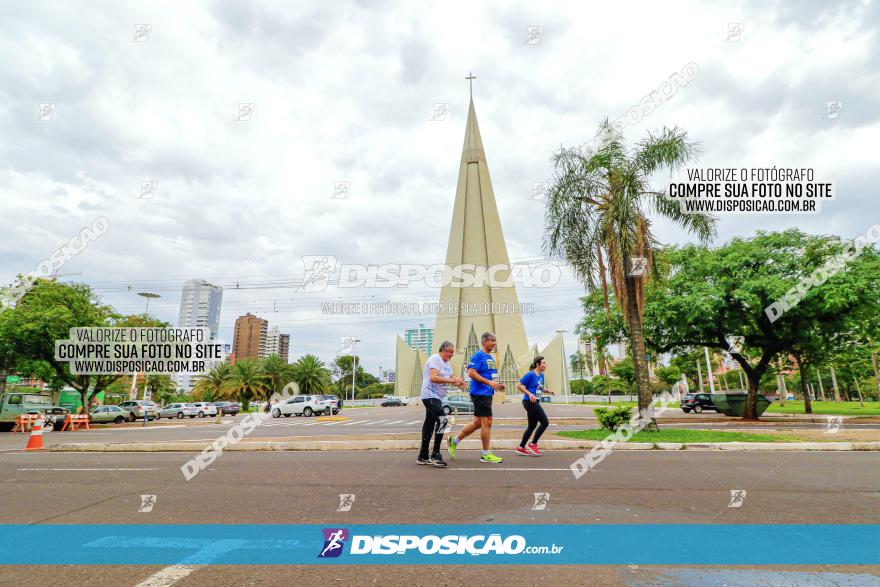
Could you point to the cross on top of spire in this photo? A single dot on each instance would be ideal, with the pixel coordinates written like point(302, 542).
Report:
point(470, 78)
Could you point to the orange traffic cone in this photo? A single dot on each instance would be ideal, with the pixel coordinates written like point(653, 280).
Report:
point(35, 442)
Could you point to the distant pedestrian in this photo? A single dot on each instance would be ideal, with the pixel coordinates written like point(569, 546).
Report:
point(532, 386)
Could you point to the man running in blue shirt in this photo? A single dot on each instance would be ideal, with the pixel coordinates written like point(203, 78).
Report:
point(484, 374)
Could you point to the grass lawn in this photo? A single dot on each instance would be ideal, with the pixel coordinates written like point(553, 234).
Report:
point(677, 435)
point(830, 408)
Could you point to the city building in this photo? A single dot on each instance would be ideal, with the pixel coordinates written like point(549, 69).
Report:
point(420, 339)
point(250, 337)
point(277, 344)
point(200, 303)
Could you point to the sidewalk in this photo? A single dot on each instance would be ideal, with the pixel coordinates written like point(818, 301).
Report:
point(469, 444)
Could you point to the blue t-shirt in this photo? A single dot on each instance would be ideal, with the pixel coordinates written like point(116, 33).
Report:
point(534, 383)
point(484, 364)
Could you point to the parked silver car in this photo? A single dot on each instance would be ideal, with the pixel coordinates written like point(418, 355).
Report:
point(136, 408)
point(205, 409)
point(179, 410)
point(105, 414)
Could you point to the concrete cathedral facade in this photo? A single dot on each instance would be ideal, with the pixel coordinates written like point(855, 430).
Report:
point(476, 238)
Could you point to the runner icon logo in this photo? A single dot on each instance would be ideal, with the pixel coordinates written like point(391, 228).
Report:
point(334, 541)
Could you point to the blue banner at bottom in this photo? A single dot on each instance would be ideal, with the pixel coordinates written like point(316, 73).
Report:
point(294, 544)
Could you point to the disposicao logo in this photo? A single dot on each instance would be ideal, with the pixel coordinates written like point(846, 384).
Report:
point(334, 541)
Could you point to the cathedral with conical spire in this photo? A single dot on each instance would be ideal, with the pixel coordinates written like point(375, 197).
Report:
point(476, 239)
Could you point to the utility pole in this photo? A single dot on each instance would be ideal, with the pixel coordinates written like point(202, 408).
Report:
point(354, 363)
point(709, 371)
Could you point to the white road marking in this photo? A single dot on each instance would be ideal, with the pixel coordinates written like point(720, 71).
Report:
point(167, 576)
point(395, 422)
point(415, 422)
point(90, 469)
point(503, 469)
point(368, 422)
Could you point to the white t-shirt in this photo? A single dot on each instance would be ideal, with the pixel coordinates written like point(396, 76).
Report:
point(435, 390)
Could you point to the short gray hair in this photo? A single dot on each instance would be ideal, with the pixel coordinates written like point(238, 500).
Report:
point(486, 336)
point(446, 344)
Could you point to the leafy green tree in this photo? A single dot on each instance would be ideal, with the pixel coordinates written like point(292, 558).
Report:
point(713, 295)
point(246, 381)
point(46, 313)
point(162, 388)
point(311, 375)
point(597, 210)
point(210, 386)
point(278, 373)
point(625, 371)
point(342, 367)
point(668, 375)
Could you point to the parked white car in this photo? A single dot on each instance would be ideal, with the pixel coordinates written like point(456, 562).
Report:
point(205, 409)
point(302, 405)
point(178, 411)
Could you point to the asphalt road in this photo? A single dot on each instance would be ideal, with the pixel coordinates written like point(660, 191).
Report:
point(301, 487)
point(378, 421)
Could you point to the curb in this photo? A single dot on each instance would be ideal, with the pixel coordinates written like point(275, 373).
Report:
point(312, 445)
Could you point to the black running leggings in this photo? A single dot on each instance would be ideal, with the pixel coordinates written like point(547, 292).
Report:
point(435, 422)
point(537, 419)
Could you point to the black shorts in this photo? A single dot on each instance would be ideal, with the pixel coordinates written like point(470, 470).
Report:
point(482, 405)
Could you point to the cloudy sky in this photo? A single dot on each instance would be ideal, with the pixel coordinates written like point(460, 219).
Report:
point(93, 106)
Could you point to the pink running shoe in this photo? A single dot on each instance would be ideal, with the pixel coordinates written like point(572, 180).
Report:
point(533, 448)
point(521, 451)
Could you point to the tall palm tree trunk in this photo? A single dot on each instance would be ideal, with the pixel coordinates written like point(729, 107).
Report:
point(637, 344)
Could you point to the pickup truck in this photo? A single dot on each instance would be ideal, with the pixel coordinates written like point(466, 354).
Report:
point(15, 403)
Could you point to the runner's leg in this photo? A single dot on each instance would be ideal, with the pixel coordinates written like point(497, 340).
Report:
point(486, 431)
point(428, 428)
point(440, 419)
point(544, 422)
point(533, 422)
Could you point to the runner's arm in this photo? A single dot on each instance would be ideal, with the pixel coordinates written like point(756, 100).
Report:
point(436, 377)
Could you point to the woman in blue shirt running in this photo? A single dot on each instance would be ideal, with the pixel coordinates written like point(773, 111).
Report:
point(532, 386)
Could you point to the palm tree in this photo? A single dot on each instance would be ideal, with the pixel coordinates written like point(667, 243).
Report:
point(597, 220)
point(311, 375)
point(277, 373)
point(162, 388)
point(246, 381)
point(211, 386)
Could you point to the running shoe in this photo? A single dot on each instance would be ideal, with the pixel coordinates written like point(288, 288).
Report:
point(533, 448)
point(490, 458)
point(451, 446)
point(522, 451)
point(421, 461)
point(438, 461)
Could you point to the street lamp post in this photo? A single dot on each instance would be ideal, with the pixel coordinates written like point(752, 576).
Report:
point(354, 358)
point(149, 296)
point(132, 393)
point(560, 332)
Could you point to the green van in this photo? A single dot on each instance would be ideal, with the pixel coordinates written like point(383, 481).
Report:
point(15, 403)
